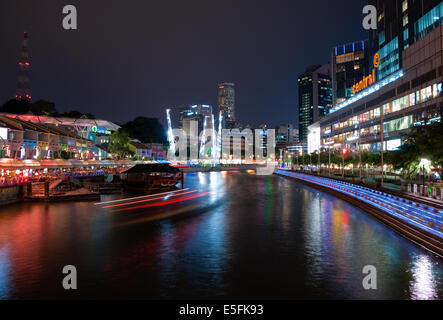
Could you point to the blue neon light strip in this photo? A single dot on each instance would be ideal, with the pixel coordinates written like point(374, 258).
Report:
point(423, 217)
point(374, 88)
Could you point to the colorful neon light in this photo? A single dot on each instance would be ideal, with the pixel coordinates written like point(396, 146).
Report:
point(164, 203)
point(147, 200)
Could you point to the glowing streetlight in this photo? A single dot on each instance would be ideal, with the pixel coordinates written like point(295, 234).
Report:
point(425, 163)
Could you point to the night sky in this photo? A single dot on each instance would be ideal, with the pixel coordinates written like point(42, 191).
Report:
point(137, 57)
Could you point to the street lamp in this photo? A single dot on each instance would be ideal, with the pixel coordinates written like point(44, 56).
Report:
point(329, 156)
point(303, 160)
point(344, 151)
point(425, 164)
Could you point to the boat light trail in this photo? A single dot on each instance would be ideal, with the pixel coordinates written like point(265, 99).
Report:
point(141, 197)
point(148, 200)
point(163, 203)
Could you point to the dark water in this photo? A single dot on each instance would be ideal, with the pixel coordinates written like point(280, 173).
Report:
point(252, 237)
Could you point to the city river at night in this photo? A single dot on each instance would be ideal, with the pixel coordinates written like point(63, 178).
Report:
point(235, 236)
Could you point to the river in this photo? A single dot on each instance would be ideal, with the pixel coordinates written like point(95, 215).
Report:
point(244, 236)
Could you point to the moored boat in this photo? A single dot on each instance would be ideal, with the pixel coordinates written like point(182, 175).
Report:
point(149, 177)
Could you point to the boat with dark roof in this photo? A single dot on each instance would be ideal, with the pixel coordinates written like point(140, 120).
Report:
point(151, 177)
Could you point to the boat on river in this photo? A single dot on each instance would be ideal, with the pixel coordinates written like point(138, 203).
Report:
point(151, 177)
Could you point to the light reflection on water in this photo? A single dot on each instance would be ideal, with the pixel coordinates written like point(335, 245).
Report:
point(5, 273)
point(423, 283)
point(253, 237)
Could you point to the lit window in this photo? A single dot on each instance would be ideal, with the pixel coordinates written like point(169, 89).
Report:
point(405, 20)
point(428, 22)
point(381, 38)
point(405, 35)
point(405, 5)
point(381, 16)
point(412, 99)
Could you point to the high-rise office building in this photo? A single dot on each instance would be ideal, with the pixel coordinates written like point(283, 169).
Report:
point(315, 96)
point(226, 103)
point(200, 113)
point(400, 24)
point(407, 66)
point(350, 63)
point(286, 133)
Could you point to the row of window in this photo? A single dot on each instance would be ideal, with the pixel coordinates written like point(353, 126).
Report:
point(414, 98)
point(410, 100)
point(428, 22)
point(389, 59)
point(429, 115)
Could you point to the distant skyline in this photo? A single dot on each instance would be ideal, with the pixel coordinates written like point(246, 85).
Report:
point(138, 58)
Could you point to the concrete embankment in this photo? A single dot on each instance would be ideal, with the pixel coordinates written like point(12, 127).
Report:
point(418, 223)
point(11, 195)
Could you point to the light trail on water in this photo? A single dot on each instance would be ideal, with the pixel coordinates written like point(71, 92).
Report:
point(141, 197)
point(148, 200)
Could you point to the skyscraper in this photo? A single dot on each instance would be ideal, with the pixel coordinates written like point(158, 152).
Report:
point(315, 96)
point(406, 61)
point(23, 89)
point(226, 103)
point(400, 24)
point(350, 63)
point(286, 133)
point(200, 113)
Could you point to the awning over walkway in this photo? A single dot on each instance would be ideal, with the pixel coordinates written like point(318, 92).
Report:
point(15, 164)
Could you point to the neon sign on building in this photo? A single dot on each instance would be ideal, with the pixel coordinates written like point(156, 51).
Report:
point(368, 80)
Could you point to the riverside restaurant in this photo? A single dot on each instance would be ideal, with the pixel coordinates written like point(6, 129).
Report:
point(14, 172)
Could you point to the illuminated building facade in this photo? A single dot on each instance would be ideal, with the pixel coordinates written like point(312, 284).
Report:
point(350, 63)
point(286, 133)
point(148, 151)
point(400, 24)
point(315, 96)
point(21, 139)
point(199, 112)
point(408, 97)
point(226, 104)
point(28, 136)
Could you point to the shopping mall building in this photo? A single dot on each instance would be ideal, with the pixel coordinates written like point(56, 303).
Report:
point(389, 102)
